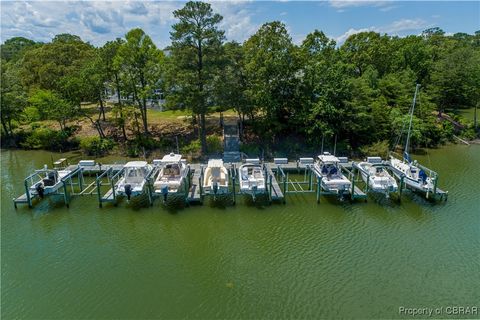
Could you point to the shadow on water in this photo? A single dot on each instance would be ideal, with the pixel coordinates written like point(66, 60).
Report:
point(261, 201)
point(222, 201)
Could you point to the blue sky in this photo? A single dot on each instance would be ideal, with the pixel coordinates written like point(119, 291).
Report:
point(100, 21)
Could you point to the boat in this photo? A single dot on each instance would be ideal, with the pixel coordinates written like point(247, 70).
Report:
point(333, 180)
point(50, 180)
point(252, 178)
point(215, 177)
point(172, 171)
point(134, 178)
point(413, 175)
point(377, 178)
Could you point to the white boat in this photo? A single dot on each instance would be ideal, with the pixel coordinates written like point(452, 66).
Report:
point(134, 178)
point(376, 176)
point(333, 179)
point(252, 178)
point(215, 177)
point(172, 171)
point(49, 181)
point(413, 176)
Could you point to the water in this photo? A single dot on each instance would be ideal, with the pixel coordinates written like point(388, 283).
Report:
point(299, 260)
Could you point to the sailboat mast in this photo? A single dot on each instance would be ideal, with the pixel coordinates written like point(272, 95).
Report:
point(411, 118)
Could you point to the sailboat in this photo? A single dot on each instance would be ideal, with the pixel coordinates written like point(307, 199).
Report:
point(414, 176)
point(377, 178)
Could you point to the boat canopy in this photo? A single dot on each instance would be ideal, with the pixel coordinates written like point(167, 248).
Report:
point(215, 163)
point(172, 157)
point(328, 158)
point(136, 164)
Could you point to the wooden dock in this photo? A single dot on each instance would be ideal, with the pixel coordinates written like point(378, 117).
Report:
point(276, 193)
point(98, 167)
point(194, 193)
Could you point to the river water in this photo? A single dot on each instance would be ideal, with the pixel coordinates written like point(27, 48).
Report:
point(298, 260)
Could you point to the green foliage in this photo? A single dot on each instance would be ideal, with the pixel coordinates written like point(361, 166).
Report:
point(195, 60)
point(214, 144)
point(380, 148)
point(31, 114)
point(51, 106)
point(46, 138)
point(95, 146)
point(271, 65)
point(193, 149)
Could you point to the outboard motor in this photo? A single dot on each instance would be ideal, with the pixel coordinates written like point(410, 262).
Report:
point(165, 193)
point(215, 187)
point(128, 191)
point(40, 189)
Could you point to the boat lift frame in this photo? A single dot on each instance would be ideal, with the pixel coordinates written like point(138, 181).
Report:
point(63, 183)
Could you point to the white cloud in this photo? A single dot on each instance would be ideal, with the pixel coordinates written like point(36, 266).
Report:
point(404, 25)
point(339, 4)
point(340, 39)
point(101, 21)
point(392, 29)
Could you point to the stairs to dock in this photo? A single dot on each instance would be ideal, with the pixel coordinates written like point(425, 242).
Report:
point(231, 143)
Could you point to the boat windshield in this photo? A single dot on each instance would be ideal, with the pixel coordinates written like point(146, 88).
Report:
point(135, 174)
point(172, 170)
point(329, 169)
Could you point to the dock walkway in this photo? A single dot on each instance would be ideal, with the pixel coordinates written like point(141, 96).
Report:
point(194, 193)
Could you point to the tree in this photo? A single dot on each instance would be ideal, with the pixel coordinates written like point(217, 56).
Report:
point(44, 67)
point(456, 79)
point(52, 106)
point(231, 84)
point(195, 54)
point(140, 59)
point(15, 47)
point(12, 95)
point(368, 49)
point(272, 69)
point(112, 71)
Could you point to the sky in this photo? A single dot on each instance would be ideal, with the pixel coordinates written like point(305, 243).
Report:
point(100, 21)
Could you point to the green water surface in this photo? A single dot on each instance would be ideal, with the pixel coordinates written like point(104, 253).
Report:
point(298, 260)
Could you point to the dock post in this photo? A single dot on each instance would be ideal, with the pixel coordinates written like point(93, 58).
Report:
point(286, 190)
point(27, 192)
point(80, 179)
point(352, 193)
point(400, 190)
point(310, 186)
point(112, 184)
point(319, 187)
point(234, 193)
point(99, 184)
point(65, 193)
point(270, 186)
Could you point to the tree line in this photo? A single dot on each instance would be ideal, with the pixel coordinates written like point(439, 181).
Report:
point(358, 92)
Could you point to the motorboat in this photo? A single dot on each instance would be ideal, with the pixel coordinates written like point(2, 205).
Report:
point(215, 177)
point(133, 179)
point(173, 170)
point(252, 178)
point(333, 180)
point(377, 178)
point(49, 181)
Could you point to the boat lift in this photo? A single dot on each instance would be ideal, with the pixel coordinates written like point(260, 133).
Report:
point(61, 186)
